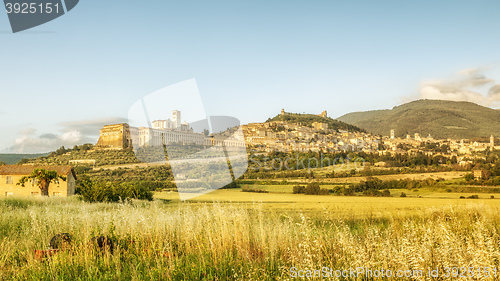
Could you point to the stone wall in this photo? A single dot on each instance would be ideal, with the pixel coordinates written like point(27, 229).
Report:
point(115, 136)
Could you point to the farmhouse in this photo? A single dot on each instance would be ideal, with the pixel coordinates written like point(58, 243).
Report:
point(479, 174)
point(11, 174)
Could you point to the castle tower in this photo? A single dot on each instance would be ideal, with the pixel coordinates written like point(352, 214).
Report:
point(323, 114)
point(417, 137)
point(492, 141)
point(393, 134)
point(115, 136)
point(176, 118)
point(282, 111)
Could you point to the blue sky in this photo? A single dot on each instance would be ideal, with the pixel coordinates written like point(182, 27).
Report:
point(63, 80)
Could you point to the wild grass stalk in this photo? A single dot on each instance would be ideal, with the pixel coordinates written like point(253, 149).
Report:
point(224, 241)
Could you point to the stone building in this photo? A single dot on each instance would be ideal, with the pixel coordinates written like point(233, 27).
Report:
point(11, 174)
point(115, 136)
point(479, 174)
point(323, 114)
point(320, 126)
point(120, 136)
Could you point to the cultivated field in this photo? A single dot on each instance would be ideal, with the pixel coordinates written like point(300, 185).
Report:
point(171, 240)
point(331, 207)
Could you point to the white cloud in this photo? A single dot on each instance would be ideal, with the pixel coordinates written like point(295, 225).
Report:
point(90, 127)
point(28, 143)
point(467, 85)
point(27, 131)
point(72, 133)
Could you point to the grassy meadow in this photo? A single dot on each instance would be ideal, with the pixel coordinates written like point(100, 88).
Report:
point(234, 235)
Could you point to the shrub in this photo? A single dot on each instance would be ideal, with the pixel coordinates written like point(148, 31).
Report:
point(100, 191)
point(154, 185)
point(377, 193)
point(247, 188)
point(127, 190)
point(469, 177)
point(348, 192)
point(298, 189)
point(310, 189)
point(315, 189)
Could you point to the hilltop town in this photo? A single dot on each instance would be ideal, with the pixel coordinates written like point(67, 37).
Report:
point(285, 136)
point(286, 133)
point(318, 137)
point(303, 133)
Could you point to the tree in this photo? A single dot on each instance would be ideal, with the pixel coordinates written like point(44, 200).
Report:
point(43, 178)
point(469, 176)
point(61, 150)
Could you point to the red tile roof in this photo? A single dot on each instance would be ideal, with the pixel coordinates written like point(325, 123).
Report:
point(27, 169)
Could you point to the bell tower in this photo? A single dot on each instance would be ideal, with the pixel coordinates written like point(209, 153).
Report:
point(176, 118)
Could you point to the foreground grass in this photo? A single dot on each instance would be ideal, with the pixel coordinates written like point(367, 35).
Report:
point(236, 241)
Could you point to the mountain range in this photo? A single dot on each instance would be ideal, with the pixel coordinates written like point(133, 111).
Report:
point(438, 118)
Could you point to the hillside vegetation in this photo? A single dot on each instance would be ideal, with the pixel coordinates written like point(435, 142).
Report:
point(309, 119)
point(62, 156)
point(106, 157)
point(440, 119)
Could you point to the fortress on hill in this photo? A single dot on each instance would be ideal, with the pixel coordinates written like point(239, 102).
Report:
point(323, 114)
point(162, 132)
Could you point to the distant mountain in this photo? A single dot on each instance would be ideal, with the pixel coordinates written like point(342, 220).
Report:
point(309, 119)
point(15, 158)
point(441, 119)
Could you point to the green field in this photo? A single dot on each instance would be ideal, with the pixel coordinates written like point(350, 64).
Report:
point(281, 199)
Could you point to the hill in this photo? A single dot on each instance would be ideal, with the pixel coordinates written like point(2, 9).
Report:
point(63, 156)
point(441, 119)
point(112, 157)
point(11, 159)
point(309, 119)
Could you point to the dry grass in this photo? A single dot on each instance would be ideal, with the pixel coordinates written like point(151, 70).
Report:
point(219, 241)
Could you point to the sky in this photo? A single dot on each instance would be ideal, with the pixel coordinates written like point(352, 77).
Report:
point(62, 81)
